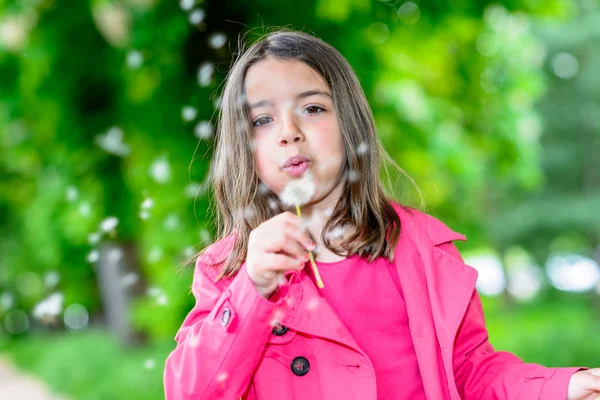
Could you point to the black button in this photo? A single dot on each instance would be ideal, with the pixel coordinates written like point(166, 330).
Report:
point(279, 330)
point(300, 366)
point(225, 317)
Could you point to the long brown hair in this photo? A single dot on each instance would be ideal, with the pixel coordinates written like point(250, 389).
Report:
point(243, 202)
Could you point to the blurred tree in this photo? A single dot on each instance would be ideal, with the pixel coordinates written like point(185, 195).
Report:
point(103, 105)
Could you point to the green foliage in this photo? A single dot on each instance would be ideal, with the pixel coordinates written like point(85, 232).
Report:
point(93, 124)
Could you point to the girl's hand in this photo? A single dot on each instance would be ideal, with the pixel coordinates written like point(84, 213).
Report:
point(584, 385)
point(274, 247)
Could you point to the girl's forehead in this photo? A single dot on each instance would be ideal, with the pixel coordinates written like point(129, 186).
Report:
point(281, 77)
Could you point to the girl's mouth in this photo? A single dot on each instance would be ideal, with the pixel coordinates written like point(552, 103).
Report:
point(297, 170)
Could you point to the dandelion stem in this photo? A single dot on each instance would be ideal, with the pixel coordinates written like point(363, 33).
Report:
point(312, 259)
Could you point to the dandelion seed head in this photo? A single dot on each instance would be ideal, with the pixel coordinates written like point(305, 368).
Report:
point(298, 191)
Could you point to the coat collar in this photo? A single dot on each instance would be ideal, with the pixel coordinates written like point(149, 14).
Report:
point(437, 289)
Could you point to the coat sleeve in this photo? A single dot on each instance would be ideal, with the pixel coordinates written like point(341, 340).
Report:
point(481, 373)
point(222, 339)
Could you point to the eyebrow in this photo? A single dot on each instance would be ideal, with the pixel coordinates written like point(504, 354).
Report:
point(308, 93)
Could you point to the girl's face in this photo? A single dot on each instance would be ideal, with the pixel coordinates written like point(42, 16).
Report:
point(292, 113)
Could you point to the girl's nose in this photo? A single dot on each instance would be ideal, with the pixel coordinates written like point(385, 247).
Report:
point(290, 133)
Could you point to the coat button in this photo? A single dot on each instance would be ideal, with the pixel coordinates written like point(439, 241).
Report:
point(279, 330)
point(300, 366)
point(225, 317)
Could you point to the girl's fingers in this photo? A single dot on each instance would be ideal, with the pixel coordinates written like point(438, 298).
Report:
point(281, 263)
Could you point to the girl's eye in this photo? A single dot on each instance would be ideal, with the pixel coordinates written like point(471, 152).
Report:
point(315, 107)
point(265, 120)
point(261, 123)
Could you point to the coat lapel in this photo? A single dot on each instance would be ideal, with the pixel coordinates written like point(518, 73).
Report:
point(435, 305)
point(310, 313)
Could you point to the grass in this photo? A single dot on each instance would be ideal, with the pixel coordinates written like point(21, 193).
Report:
point(92, 365)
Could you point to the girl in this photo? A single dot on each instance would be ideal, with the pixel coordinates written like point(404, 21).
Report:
point(398, 316)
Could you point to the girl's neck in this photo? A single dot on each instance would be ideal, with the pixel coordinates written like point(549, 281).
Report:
point(316, 213)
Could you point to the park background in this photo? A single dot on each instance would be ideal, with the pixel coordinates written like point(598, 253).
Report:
point(107, 118)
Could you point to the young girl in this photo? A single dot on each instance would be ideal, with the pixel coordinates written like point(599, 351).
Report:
point(398, 316)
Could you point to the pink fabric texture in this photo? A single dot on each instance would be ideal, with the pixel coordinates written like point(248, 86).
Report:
point(380, 327)
point(226, 348)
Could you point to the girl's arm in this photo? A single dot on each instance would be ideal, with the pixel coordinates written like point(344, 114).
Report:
point(482, 373)
point(222, 339)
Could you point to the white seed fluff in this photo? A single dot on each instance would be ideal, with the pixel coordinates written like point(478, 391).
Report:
point(298, 191)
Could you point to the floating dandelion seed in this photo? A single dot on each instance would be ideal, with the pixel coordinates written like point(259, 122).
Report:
point(171, 222)
point(272, 204)
point(109, 224)
point(49, 308)
point(312, 304)
point(188, 113)
point(217, 40)
point(205, 74)
point(352, 176)
point(197, 16)
point(188, 251)
point(129, 279)
point(72, 193)
point(203, 130)
point(93, 256)
point(186, 5)
point(297, 193)
point(134, 59)
point(6, 301)
point(362, 148)
point(161, 300)
point(51, 279)
point(85, 208)
point(160, 170)
point(76, 317)
point(276, 317)
point(112, 142)
point(155, 255)
point(94, 237)
point(222, 377)
point(149, 363)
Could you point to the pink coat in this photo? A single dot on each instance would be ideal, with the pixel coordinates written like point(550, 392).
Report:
point(226, 348)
